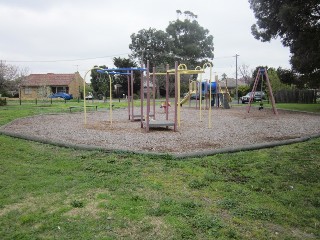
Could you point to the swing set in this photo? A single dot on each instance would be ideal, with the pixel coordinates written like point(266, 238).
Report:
point(262, 72)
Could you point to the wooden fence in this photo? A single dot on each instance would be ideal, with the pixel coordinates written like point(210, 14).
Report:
point(296, 96)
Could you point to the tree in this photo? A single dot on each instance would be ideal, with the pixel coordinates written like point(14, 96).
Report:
point(191, 43)
point(184, 41)
point(151, 44)
point(178, 13)
point(297, 23)
point(243, 90)
point(99, 82)
point(287, 76)
point(189, 14)
point(10, 78)
point(275, 82)
point(122, 79)
point(246, 73)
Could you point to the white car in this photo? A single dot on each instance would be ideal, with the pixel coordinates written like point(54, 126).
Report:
point(89, 96)
point(258, 96)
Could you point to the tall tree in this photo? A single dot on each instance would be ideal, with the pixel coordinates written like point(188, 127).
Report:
point(275, 82)
point(99, 82)
point(178, 13)
point(287, 76)
point(122, 79)
point(246, 73)
point(191, 43)
point(184, 41)
point(151, 44)
point(297, 23)
point(10, 78)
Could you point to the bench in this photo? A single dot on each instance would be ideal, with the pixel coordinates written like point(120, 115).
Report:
point(88, 106)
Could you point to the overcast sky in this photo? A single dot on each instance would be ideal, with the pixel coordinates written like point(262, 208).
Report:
point(63, 36)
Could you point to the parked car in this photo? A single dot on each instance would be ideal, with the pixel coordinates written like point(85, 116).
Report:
point(63, 95)
point(89, 96)
point(258, 96)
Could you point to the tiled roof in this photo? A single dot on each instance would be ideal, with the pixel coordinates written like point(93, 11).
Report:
point(49, 79)
point(231, 82)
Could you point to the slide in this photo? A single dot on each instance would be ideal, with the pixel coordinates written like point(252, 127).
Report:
point(187, 97)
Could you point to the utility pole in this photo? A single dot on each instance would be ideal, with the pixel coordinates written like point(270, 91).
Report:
point(237, 77)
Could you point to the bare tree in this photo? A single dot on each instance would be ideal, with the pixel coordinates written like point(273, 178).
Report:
point(10, 78)
point(7, 73)
point(246, 73)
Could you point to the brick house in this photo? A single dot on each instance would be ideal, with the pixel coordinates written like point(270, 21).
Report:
point(42, 85)
point(231, 83)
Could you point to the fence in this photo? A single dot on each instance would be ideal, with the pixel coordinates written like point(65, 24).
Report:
point(296, 96)
point(19, 101)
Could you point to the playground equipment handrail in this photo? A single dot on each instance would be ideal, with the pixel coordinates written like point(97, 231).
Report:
point(84, 92)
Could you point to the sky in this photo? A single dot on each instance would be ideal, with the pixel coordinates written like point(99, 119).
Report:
point(65, 36)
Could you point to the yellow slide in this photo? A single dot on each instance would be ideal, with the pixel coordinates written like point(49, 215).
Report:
point(187, 97)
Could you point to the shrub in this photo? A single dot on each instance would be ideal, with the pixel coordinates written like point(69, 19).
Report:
point(136, 96)
point(3, 101)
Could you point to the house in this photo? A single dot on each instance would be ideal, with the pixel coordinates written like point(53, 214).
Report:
point(42, 85)
point(231, 83)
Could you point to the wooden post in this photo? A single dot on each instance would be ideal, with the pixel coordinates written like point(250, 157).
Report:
point(154, 92)
point(176, 96)
point(128, 93)
point(264, 72)
point(141, 98)
point(148, 98)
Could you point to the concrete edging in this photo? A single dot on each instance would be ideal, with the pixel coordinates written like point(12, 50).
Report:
point(172, 155)
point(203, 153)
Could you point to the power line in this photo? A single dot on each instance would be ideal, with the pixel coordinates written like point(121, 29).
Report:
point(83, 59)
point(223, 57)
point(64, 60)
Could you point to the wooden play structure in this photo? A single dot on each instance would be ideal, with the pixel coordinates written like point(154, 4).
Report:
point(176, 107)
point(262, 72)
point(147, 114)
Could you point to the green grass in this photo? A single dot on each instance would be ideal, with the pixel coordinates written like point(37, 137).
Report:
point(28, 108)
point(49, 192)
point(300, 107)
point(297, 106)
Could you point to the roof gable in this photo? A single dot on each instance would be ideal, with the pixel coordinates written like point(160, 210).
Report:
point(231, 82)
point(49, 79)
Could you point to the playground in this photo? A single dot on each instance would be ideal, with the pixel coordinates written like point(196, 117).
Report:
point(172, 126)
point(231, 128)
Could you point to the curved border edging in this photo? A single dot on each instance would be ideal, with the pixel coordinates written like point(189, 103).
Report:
point(203, 153)
point(246, 147)
point(78, 146)
point(172, 155)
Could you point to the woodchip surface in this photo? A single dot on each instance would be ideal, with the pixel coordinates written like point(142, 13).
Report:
point(229, 128)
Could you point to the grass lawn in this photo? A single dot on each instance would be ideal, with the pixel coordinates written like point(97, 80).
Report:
point(315, 108)
point(49, 192)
